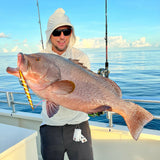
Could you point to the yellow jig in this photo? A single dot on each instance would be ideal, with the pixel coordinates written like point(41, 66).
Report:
point(24, 84)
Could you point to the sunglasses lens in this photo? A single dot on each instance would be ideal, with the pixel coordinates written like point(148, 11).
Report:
point(67, 32)
point(57, 32)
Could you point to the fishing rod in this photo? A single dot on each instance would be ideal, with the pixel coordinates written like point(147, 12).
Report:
point(104, 71)
point(40, 26)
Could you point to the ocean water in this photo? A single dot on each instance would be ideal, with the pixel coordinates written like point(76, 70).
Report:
point(136, 72)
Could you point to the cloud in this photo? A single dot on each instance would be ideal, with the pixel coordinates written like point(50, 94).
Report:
point(25, 45)
point(157, 45)
point(20, 46)
point(3, 35)
point(25, 41)
point(140, 43)
point(5, 50)
point(117, 42)
point(16, 49)
point(114, 42)
point(90, 43)
point(39, 47)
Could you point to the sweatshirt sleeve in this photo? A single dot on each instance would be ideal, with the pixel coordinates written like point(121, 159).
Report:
point(81, 56)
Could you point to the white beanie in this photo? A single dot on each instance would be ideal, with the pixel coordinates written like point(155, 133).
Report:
point(57, 19)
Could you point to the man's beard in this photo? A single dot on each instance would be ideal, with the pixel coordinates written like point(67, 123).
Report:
point(60, 50)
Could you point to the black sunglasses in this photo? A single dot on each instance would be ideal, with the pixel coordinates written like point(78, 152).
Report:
point(66, 32)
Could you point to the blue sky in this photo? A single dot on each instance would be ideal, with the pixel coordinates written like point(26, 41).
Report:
point(132, 25)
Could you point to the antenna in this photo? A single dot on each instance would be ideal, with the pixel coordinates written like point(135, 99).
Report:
point(40, 26)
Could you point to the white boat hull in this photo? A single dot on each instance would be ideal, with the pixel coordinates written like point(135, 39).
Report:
point(108, 143)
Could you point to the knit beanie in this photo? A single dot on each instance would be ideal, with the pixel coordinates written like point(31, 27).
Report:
point(58, 19)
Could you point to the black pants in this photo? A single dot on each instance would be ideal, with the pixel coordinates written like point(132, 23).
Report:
point(56, 140)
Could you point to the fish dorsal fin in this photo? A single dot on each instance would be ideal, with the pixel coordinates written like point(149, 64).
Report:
point(114, 87)
point(76, 61)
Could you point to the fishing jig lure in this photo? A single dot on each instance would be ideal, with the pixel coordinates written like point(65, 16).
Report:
point(24, 84)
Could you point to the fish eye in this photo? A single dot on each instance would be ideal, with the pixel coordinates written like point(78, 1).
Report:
point(37, 58)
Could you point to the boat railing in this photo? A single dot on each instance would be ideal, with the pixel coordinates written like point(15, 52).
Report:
point(10, 100)
point(109, 115)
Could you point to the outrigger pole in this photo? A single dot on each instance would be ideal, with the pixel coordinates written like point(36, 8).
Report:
point(40, 26)
point(104, 71)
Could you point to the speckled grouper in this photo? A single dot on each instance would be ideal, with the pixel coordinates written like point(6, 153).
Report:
point(65, 82)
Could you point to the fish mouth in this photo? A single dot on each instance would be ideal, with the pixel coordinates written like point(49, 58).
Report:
point(13, 71)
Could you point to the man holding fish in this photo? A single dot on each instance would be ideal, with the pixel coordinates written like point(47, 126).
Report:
point(68, 130)
point(63, 82)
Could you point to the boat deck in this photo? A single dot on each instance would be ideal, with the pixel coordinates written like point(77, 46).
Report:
point(108, 143)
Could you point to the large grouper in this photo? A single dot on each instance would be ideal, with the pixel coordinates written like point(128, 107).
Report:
point(68, 83)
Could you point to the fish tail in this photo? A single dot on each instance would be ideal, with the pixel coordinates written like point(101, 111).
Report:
point(24, 84)
point(136, 118)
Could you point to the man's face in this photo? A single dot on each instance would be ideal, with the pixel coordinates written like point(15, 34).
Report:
point(60, 39)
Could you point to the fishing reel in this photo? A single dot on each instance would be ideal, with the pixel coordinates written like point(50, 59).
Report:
point(104, 72)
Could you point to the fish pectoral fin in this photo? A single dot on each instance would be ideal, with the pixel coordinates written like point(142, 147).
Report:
point(114, 88)
point(63, 87)
point(52, 108)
